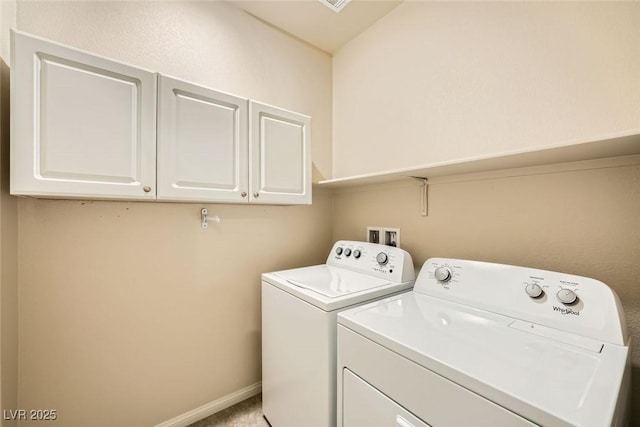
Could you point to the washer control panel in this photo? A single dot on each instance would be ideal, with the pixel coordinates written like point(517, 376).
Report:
point(562, 301)
point(381, 261)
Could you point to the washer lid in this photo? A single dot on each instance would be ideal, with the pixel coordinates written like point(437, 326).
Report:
point(332, 288)
point(330, 281)
point(540, 375)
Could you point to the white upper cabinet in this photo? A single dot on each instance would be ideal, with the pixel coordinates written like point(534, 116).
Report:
point(82, 126)
point(280, 155)
point(202, 144)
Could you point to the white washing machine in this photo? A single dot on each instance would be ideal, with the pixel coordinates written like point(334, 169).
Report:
point(480, 344)
point(299, 309)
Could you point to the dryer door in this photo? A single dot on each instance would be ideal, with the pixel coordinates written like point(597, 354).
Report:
point(363, 405)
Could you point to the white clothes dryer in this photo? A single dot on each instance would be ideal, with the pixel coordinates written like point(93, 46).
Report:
point(299, 309)
point(481, 344)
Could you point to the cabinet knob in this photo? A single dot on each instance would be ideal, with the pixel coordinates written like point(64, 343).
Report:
point(146, 188)
point(243, 194)
point(256, 194)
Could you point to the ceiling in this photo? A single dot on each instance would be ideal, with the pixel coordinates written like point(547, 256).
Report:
point(315, 23)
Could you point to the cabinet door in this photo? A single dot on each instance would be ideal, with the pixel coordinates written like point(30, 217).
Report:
point(82, 126)
point(280, 156)
point(202, 144)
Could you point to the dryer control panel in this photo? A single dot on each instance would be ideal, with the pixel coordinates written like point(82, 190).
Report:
point(565, 302)
point(385, 262)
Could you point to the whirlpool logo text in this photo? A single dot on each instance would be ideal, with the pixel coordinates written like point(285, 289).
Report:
point(564, 310)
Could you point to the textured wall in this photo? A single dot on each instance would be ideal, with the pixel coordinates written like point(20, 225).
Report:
point(8, 261)
point(442, 81)
point(8, 233)
point(7, 21)
point(582, 222)
point(208, 43)
point(131, 313)
point(438, 81)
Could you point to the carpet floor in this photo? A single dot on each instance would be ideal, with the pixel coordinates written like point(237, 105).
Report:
point(247, 413)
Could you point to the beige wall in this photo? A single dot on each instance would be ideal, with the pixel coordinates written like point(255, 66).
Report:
point(438, 81)
point(208, 43)
point(8, 262)
point(131, 313)
point(7, 21)
point(443, 81)
point(583, 222)
point(8, 234)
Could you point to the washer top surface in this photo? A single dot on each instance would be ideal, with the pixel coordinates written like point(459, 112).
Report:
point(547, 374)
point(348, 279)
point(330, 281)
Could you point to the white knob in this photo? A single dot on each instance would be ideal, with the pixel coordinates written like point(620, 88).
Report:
point(443, 274)
point(566, 296)
point(534, 290)
point(382, 258)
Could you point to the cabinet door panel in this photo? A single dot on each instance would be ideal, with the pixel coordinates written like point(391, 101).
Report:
point(82, 126)
point(285, 153)
point(66, 89)
point(202, 144)
point(280, 156)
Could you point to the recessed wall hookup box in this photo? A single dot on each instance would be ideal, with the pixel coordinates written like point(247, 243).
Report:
point(384, 236)
point(392, 237)
point(374, 234)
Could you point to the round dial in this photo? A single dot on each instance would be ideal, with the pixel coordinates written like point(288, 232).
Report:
point(338, 250)
point(534, 290)
point(443, 274)
point(347, 252)
point(382, 258)
point(356, 254)
point(566, 296)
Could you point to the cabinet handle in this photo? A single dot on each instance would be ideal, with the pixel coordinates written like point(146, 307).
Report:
point(146, 188)
point(243, 194)
point(256, 194)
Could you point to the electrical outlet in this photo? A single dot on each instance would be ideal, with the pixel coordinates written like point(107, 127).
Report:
point(374, 234)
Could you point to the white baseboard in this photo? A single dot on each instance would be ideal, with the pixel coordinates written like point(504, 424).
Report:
point(212, 407)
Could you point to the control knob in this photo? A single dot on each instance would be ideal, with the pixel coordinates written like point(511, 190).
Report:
point(382, 258)
point(347, 252)
point(534, 290)
point(566, 296)
point(356, 254)
point(338, 250)
point(443, 274)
